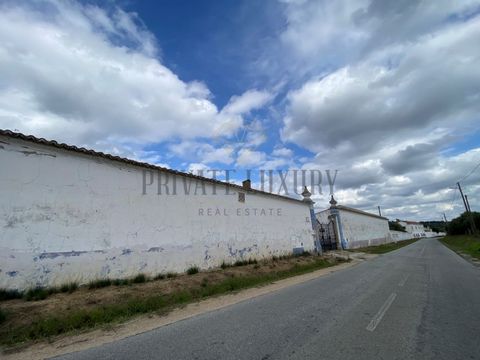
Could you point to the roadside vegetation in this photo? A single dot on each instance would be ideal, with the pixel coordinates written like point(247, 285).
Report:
point(462, 225)
point(385, 248)
point(394, 225)
point(111, 301)
point(463, 244)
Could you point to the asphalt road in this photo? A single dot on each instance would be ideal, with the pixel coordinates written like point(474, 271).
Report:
point(419, 302)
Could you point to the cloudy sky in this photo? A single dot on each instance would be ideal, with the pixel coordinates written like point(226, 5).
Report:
point(385, 92)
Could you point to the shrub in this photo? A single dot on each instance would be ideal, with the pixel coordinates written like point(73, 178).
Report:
point(69, 287)
point(36, 294)
point(240, 263)
point(171, 275)
point(393, 225)
point(9, 294)
point(245, 262)
point(304, 254)
point(193, 270)
point(462, 224)
point(225, 265)
point(100, 283)
point(3, 316)
point(120, 282)
point(140, 278)
point(159, 277)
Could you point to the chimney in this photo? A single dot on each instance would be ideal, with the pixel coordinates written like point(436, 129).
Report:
point(247, 184)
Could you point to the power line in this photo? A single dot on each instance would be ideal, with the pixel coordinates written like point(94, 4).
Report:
point(454, 197)
point(470, 173)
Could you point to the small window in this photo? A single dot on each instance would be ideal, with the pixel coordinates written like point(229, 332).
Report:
point(241, 197)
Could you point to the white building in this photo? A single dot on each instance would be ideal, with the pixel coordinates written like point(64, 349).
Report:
point(355, 228)
point(71, 214)
point(414, 228)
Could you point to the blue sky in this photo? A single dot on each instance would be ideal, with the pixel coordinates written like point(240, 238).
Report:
point(385, 92)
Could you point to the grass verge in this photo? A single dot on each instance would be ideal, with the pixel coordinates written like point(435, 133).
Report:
point(465, 244)
point(53, 325)
point(384, 248)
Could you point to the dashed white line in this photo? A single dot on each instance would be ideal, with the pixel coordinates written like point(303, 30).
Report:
point(378, 317)
point(423, 251)
point(404, 280)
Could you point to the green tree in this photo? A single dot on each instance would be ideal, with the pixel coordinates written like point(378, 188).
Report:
point(462, 224)
point(393, 225)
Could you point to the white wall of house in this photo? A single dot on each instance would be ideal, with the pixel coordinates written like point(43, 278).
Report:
point(413, 227)
point(400, 235)
point(362, 230)
point(323, 216)
point(66, 216)
point(358, 229)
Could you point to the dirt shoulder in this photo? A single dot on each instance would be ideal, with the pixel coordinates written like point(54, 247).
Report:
point(105, 334)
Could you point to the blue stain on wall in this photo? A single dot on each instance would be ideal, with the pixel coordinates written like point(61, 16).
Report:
point(53, 255)
point(12, 273)
point(126, 252)
point(155, 249)
point(241, 252)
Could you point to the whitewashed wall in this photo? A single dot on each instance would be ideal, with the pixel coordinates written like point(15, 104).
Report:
point(66, 217)
point(400, 235)
point(362, 230)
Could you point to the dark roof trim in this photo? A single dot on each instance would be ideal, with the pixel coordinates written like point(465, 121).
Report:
point(361, 212)
point(53, 143)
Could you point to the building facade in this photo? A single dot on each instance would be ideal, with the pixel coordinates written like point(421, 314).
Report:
point(414, 228)
point(355, 228)
point(75, 215)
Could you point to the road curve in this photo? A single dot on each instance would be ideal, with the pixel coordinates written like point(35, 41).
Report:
point(419, 302)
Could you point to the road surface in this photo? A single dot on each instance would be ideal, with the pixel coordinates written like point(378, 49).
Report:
point(419, 302)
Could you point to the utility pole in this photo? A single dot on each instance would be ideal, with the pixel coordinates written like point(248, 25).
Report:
point(468, 204)
point(379, 211)
point(467, 208)
point(463, 197)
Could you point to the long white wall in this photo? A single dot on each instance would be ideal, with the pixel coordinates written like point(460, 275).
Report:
point(400, 235)
point(66, 216)
point(362, 230)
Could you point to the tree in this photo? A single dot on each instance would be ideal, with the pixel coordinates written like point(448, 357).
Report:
point(393, 225)
point(436, 226)
point(462, 224)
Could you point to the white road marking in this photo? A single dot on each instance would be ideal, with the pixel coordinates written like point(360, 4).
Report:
point(423, 251)
point(378, 317)
point(404, 280)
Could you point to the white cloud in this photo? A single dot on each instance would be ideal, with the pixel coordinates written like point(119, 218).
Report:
point(83, 74)
point(282, 152)
point(320, 36)
point(344, 109)
point(395, 111)
point(203, 152)
point(247, 157)
point(198, 169)
point(248, 101)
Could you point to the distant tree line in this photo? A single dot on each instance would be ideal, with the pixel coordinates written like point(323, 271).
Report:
point(462, 224)
point(436, 226)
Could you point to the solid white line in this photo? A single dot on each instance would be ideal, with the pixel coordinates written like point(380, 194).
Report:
point(378, 317)
point(404, 280)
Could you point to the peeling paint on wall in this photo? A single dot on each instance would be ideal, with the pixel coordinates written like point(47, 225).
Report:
point(81, 218)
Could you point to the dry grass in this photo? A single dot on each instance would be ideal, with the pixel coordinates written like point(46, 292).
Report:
point(91, 306)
